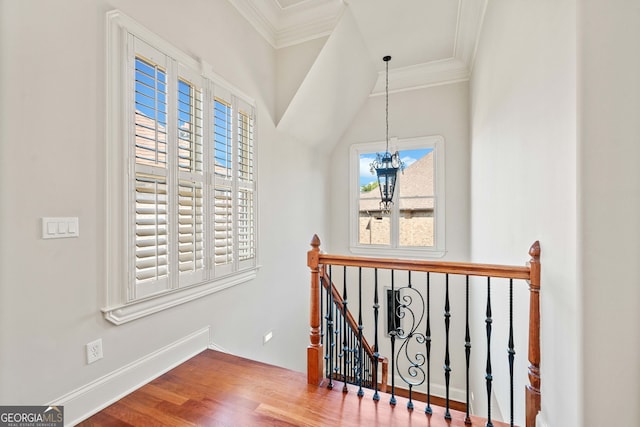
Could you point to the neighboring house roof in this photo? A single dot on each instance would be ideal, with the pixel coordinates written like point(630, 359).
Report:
point(415, 181)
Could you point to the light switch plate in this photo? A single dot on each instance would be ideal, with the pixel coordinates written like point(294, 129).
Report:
point(60, 227)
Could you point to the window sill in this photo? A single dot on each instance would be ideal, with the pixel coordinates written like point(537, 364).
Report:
point(128, 312)
point(386, 252)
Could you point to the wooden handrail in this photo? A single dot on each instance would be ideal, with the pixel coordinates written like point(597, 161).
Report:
point(530, 273)
point(486, 270)
point(353, 325)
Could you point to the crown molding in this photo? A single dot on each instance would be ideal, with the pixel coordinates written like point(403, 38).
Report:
point(291, 25)
point(469, 25)
point(419, 76)
point(261, 16)
point(451, 70)
point(312, 19)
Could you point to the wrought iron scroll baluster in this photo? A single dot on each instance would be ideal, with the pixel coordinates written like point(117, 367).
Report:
point(410, 309)
point(345, 347)
point(392, 334)
point(447, 367)
point(489, 376)
point(512, 352)
point(467, 347)
point(360, 327)
point(376, 354)
point(428, 409)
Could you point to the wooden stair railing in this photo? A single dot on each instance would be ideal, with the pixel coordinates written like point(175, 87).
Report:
point(353, 326)
point(317, 262)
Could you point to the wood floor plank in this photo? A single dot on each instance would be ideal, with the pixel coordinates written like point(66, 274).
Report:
point(221, 390)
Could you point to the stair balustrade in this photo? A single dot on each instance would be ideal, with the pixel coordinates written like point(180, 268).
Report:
point(339, 344)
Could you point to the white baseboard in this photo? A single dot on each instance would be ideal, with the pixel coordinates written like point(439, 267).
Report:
point(438, 390)
point(97, 395)
point(216, 347)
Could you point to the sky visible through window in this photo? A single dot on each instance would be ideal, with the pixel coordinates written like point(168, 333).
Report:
point(150, 99)
point(408, 157)
point(151, 91)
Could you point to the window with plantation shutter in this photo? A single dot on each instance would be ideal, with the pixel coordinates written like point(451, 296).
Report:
point(181, 177)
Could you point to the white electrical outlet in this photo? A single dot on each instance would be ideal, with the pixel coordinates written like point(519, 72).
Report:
point(94, 351)
point(267, 337)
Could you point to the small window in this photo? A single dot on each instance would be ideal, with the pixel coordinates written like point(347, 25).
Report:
point(416, 219)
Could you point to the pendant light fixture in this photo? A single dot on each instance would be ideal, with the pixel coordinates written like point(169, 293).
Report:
point(386, 165)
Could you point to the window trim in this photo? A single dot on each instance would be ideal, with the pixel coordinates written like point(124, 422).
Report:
point(438, 250)
point(119, 305)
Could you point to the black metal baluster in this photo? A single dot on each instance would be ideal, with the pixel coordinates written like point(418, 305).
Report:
point(376, 355)
point(360, 327)
point(512, 352)
point(447, 367)
point(428, 409)
point(345, 347)
point(489, 376)
point(321, 296)
point(337, 344)
point(392, 334)
point(467, 348)
point(337, 368)
point(330, 331)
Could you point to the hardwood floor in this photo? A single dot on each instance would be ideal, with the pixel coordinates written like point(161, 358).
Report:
point(217, 389)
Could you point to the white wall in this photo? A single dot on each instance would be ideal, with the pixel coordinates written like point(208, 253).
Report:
point(293, 64)
point(52, 80)
point(523, 182)
point(609, 202)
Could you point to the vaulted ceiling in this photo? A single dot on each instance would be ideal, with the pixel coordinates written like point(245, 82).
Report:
point(431, 42)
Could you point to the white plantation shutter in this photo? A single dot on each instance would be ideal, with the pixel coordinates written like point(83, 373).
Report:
point(223, 228)
point(190, 230)
point(246, 225)
point(223, 183)
point(246, 184)
point(151, 228)
point(191, 182)
point(150, 185)
point(222, 139)
point(245, 146)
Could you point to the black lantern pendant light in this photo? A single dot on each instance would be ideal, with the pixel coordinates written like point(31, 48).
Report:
point(386, 165)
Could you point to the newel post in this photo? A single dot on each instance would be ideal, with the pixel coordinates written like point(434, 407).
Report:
point(314, 350)
point(532, 400)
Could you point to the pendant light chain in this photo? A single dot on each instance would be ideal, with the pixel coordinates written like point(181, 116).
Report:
point(387, 104)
